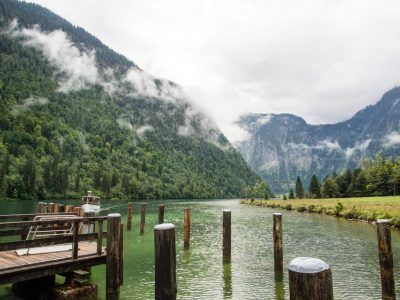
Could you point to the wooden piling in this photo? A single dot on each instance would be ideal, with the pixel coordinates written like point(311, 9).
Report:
point(40, 208)
point(277, 237)
point(142, 217)
point(100, 238)
point(186, 229)
point(69, 208)
point(165, 262)
point(75, 240)
point(121, 255)
point(160, 213)
point(386, 259)
point(310, 278)
point(51, 208)
point(25, 230)
point(61, 208)
point(112, 257)
point(57, 208)
point(226, 235)
point(129, 216)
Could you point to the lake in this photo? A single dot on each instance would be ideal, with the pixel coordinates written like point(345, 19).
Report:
point(350, 248)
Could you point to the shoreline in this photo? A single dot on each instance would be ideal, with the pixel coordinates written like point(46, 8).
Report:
point(344, 208)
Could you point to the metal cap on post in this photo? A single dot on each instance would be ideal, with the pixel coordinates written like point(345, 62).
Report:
point(165, 262)
point(310, 278)
point(112, 259)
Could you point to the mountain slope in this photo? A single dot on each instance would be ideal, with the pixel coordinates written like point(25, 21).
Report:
point(282, 146)
point(77, 116)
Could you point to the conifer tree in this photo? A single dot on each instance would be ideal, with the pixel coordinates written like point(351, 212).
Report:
point(299, 189)
point(315, 188)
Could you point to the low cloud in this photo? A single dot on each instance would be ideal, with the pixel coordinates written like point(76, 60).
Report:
point(141, 131)
point(362, 147)
point(392, 139)
point(28, 102)
point(329, 145)
point(148, 86)
point(76, 67)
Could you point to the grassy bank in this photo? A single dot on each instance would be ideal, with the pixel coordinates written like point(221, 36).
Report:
point(365, 209)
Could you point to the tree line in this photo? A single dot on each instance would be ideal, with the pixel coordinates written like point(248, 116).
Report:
point(376, 177)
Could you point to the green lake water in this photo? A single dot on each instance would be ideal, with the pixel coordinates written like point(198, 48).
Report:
point(350, 248)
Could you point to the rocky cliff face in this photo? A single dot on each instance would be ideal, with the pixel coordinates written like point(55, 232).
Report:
point(282, 146)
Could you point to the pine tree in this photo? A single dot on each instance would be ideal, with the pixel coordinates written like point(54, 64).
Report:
point(299, 189)
point(291, 194)
point(315, 188)
point(330, 189)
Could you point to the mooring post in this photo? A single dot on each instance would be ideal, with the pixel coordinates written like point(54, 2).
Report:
point(75, 240)
point(226, 235)
point(129, 220)
point(51, 208)
point(112, 257)
point(61, 208)
point(165, 262)
point(386, 259)
point(160, 213)
point(40, 208)
point(100, 238)
point(186, 229)
point(25, 230)
point(69, 208)
point(121, 254)
point(310, 278)
point(278, 251)
point(142, 217)
point(57, 208)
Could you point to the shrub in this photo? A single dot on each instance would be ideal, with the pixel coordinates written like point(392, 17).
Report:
point(338, 208)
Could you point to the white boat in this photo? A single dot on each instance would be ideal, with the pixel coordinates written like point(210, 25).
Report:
point(91, 203)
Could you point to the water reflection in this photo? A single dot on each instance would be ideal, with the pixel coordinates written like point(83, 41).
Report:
point(279, 286)
point(227, 276)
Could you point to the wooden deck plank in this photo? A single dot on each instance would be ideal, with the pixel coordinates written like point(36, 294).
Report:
point(10, 260)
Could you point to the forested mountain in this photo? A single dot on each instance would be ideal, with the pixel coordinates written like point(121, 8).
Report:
point(77, 116)
point(281, 147)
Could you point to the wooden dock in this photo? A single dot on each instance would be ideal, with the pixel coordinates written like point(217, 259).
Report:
point(75, 250)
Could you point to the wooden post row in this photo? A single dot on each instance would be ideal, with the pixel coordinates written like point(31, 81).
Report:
point(165, 262)
point(186, 229)
point(310, 278)
point(386, 259)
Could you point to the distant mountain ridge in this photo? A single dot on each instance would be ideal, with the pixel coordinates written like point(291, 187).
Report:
point(282, 146)
point(77, 116)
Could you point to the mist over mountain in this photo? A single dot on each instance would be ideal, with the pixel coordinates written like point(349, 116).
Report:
point(76, 116)
point(281, 147)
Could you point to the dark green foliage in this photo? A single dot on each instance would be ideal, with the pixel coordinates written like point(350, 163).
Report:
point(315, 188)
point(378, 177)
point(73, 142)
point(291, 194)
point(299, 189)
point(260, 190)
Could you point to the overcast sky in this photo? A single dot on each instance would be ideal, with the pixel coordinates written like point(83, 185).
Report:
point(323, 60)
